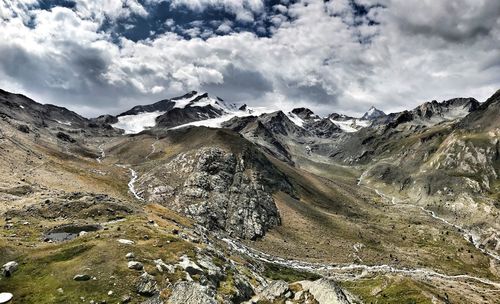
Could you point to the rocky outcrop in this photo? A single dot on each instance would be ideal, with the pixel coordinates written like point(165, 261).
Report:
point(190, 293)
point(146, 285)
point(322, 291)
point(275, 290)
point(135, 265)
point(327, 292)
point(220, 190)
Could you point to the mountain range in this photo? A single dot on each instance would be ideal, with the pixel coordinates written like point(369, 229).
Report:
point(196, 200)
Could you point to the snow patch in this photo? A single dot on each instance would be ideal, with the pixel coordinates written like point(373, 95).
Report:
point(184, 102)
point(295, 119)
point(351, 125)
point(67, 123)
point(203, 102)
point(133, 124)
point(218, 121)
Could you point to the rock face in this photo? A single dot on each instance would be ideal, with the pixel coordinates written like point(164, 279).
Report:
point(190, 293)
point(220, 190)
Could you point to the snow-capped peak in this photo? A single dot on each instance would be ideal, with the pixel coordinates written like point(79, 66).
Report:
point(372, 113)
point(195, 99)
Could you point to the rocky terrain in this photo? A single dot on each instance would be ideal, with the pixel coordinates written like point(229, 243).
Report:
point(193, 200)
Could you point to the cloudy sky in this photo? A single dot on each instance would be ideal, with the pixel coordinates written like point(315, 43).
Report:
point(104, 56)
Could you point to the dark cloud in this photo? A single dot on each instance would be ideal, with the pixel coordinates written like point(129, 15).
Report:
point(241, 85)
point(455, 21)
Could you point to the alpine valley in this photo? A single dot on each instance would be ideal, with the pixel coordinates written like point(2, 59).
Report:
point(196, 200)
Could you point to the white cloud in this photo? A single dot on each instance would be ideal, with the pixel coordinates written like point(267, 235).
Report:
point(421, 50)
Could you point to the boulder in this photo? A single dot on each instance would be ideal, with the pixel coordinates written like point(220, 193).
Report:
point(327, 292)
point(244, 290)
point(146, 285)
point(135, 265)
point(190, 293)
point(161, 266)
point(5, 297)
point(81, 277)
point(274, 290)
point(125, 242)
point(189, 266)
point(9, 268)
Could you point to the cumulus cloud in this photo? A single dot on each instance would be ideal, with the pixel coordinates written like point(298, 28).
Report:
point(335, 56)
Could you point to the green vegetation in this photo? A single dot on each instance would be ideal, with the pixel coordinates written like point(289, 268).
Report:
point(277, 272)
point(45, 273)
point(398, 290)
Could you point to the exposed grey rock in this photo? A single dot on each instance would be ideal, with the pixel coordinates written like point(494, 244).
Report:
point(327, 292)
point(156, 299)
point(65, 137)
point(130, 255)
point(162, 266)
point(23, 128)
point(189, 266)
point(9, 268)
point(126, 242)
point(244, 290)
point(190, 293)
point(146, 285)
point(274, 290)
point(135, 265)
point(214, 272)
point(220, 190)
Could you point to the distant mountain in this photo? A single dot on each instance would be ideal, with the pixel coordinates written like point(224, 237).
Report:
point(173, 112)
point(201, 184)
point(484, 116)
point(373, 113)
point(305, 114)
point(20, 107)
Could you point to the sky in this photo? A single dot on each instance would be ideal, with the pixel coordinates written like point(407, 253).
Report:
point(105, 56)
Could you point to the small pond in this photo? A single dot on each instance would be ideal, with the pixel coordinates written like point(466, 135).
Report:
point(68, 232)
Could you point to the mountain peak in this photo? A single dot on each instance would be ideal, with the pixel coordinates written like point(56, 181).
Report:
point(373, 113)
point(304, 113)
